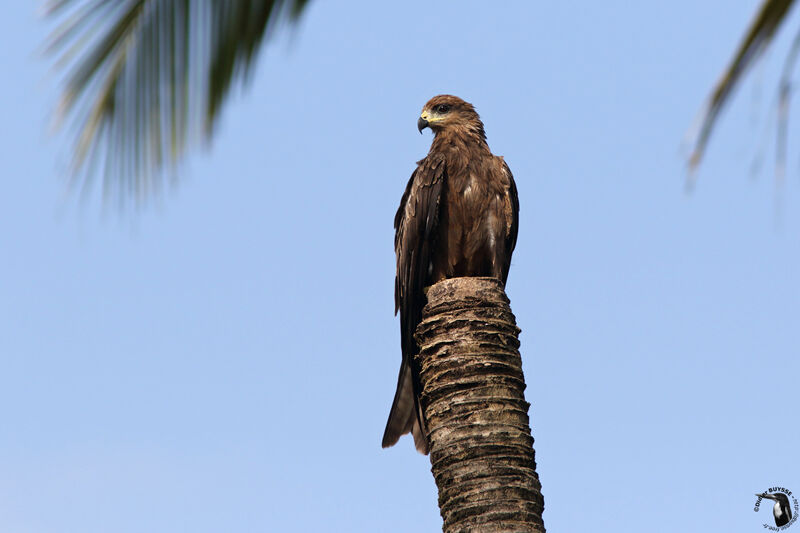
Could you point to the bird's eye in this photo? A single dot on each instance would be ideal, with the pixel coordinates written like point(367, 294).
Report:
point(442, 108)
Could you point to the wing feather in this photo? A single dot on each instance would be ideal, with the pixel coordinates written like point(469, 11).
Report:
point(416, 224)
point(513, 203)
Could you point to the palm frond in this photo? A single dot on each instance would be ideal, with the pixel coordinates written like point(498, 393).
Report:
point(146, 79)
point(758, 36)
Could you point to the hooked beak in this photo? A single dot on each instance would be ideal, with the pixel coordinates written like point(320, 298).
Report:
point(765, 495)
point(421, 124)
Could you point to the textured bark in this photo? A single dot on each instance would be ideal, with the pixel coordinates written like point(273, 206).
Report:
point(481, 451)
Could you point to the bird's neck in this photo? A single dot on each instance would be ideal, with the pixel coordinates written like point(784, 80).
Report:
point(470, 137)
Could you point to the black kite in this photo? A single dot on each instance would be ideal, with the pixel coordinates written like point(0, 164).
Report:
point(458, 217)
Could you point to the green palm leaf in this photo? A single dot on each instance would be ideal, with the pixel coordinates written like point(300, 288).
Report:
point(145, 79)
point(758, 36)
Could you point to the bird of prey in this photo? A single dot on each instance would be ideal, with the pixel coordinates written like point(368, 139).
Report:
point(782, 510)
point(458, 217)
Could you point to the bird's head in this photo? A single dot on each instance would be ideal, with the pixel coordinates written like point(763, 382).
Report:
point(777, 496)
point(450, 113)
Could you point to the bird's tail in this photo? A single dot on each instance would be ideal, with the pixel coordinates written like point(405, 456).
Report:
point(406, 415)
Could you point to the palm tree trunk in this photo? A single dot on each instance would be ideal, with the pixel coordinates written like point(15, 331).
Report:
point(481, 447)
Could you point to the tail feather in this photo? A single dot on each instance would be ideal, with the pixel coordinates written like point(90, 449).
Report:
point(420, 432)
point(405, 416)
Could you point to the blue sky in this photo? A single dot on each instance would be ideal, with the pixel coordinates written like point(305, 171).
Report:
point(225, 360)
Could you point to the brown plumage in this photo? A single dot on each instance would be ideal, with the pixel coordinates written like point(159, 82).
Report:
point(458, 217)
